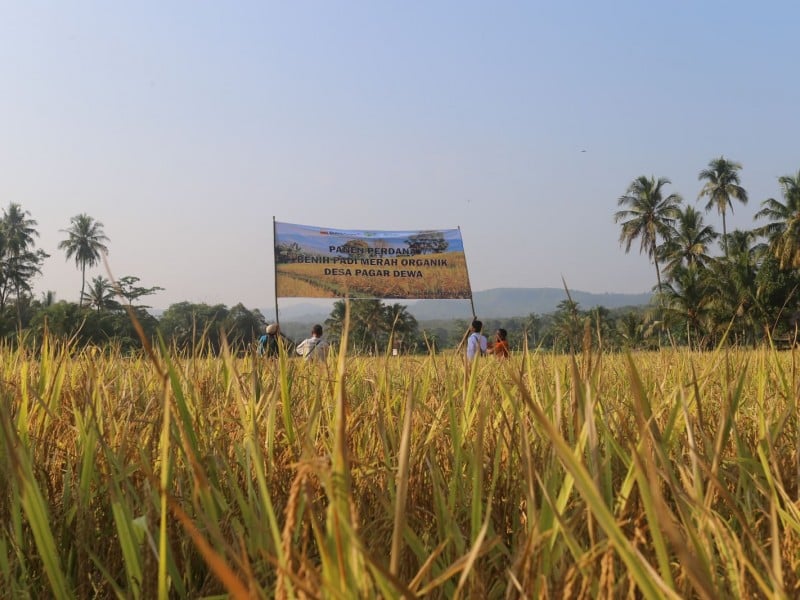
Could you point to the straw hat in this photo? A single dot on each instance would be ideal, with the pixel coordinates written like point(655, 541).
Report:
point(272, 329)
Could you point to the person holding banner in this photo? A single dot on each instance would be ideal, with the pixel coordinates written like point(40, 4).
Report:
point(314, 347)
point(476, 342)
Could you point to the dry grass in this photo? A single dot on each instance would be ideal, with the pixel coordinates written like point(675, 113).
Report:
point(658, 475)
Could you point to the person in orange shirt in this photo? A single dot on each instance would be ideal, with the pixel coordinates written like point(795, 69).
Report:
point(500, 346)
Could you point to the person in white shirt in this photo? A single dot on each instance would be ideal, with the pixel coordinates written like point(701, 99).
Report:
point(314, 347)
point(476, 342)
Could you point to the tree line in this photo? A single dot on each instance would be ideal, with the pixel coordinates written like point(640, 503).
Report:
point(105, 311)
point(740, 286)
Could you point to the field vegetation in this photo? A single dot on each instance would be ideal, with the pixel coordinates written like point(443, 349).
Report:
point(670, 474)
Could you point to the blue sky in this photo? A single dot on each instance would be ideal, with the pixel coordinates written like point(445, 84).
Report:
point(185, 127)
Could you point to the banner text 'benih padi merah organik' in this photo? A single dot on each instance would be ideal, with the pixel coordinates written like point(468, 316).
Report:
point(320, 262)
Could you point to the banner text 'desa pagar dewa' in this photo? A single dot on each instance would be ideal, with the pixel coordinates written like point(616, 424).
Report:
point(320, 262)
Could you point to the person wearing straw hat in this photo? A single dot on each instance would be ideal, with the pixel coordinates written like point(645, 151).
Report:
point(268, 343)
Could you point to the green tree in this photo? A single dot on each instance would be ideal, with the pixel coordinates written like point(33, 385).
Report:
point(101, 295)
point(334, 324)
point(631, 329)
point(70, 321)
point(21, 261)
point(733, 288)
point(686, 298)
point(783, 230)
point(403, 326)
point(647, 215)
point(193, 327)
point(603, 323)
point(531, 329)
point(721, 184)
point(128, 289)
point(369, 328)
point(689, 242)
point(243, 327)
point(778, 295)
point(372, 323)
point(567, 326)
point(84, 243)
point(48, 298)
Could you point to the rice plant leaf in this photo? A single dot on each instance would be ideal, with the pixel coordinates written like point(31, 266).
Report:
point(129, 544)
point(235, 586)
point(649, 582)
point(401, 486)
point(36, 513)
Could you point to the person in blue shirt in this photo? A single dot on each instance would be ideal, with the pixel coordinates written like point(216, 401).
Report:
point(476, 341)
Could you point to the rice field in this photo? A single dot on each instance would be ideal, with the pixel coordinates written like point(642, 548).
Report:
point(361, 280)
point(655, 475)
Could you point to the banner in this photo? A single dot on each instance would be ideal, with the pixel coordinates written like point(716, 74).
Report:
point(318, 262)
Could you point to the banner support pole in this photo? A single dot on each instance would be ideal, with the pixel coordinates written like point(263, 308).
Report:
point(466, 269)
point(471, 301)
point(275, 271)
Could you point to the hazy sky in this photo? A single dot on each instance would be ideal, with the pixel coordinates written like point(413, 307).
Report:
point(185, 127)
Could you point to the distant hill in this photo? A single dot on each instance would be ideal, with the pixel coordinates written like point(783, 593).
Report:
point(304, 312)
point(489, 304)
point(519, 302)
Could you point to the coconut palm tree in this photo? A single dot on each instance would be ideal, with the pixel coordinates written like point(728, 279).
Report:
point(531, 327)
point(85, 243)
point(334, 324)
point(687, 300)
point(369, 324)
point(243, 326)
point(733, 287)
point(745, 247)
point(647, 215)
point(777, 295)
point(631, 329)
point(101, 295)
point(603, 327)
point(402, 325)
point(689, 241)
point(567, 328)
point(20, 261)
point(18, 230)
point(721, 184)
point(373, 324)
point(48, 298)
point(783, 230)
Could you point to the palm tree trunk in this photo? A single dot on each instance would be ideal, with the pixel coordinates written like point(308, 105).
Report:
point(658, 274)
point(19, 312)
point(660, 295)
point(83, 283)
point(724, 235)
